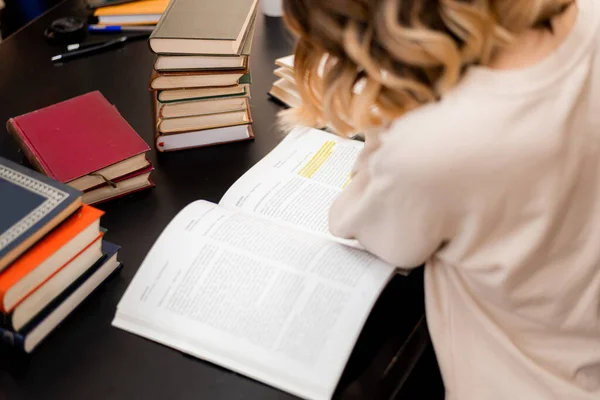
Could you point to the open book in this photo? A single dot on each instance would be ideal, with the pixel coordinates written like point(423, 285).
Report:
point(257, 284)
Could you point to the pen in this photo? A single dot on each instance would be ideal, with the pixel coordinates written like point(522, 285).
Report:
point(80, 46)
point(91, 50)
point(116, 28)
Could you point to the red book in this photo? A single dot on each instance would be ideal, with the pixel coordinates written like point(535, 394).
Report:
point(130, 183)
point(82, 142)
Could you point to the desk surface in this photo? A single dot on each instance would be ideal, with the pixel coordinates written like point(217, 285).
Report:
point(86, 358)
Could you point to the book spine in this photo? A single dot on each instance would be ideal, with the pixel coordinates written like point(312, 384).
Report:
point(156, 33)
point(28, 150)
point(157, 140)
point(6, 321)
point(12, 339)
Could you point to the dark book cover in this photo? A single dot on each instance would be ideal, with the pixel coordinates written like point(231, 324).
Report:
point(19, 339)
point(32, 204)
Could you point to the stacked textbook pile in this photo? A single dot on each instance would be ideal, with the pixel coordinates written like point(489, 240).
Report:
point(201, 80)
point(52, 254)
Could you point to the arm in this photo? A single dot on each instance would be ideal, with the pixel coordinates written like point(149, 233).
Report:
point(398, 205)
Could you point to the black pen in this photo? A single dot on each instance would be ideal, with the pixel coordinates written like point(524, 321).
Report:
point(91, 50)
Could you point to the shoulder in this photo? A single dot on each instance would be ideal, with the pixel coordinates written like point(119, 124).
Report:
point(460, 139)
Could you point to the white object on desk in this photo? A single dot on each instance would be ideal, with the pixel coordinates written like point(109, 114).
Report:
point(271, 8)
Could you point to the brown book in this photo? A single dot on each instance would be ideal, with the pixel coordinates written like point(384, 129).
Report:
point(200, 138)
point(203, 27)
point(202, 107)
point(178, 62)
point(167, 96)
point(200, 63)
point(187, 79)
point(202, 122)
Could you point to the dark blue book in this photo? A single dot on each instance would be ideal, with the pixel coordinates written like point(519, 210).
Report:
point(61, 307)
point(31, 205)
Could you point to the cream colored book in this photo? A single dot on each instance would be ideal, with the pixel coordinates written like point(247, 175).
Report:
point(200, 122)
point(203, 93)
point(190, 63)
point(285, 62)
point(256, 283)
point(195, 79)
point(204, 27)
point(286, 92)
point(286, 74)
point(202, 107)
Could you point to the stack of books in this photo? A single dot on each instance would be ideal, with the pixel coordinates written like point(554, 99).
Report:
point(284, 90)
point(85, 143)
point(52, 254)
point(130, 13)
point(201, 80)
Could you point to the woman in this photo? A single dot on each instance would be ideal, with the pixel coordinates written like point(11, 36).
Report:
point(482, 122)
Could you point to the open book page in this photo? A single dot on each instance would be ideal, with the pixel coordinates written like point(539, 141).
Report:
point(270, 302)
point(297, 182)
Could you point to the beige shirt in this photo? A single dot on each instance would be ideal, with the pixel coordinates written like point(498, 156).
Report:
point(497, 189)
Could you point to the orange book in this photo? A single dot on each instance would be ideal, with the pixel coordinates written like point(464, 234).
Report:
point(48, 256)
point(138, 12)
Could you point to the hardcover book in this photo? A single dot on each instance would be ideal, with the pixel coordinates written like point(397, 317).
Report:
point(62, 306)
point(82, 141)
point(199, 62)
point(31, 306)
point(203, 27)
point(32, 205)
point(196, 79)
point(48, 256)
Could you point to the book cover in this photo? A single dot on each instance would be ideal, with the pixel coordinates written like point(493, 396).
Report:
point(249, 38)
point(179, 62)
point(40, 252)
point(225, 22)
point(30, 306)
point(174, 95)
point(76, 137)
point(198, 79)
point(32, 204)
point(62, 306)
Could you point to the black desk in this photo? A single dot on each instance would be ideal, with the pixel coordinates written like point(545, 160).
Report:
point(86, 358)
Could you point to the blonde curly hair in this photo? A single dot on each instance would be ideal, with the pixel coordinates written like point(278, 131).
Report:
point(360, 64)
